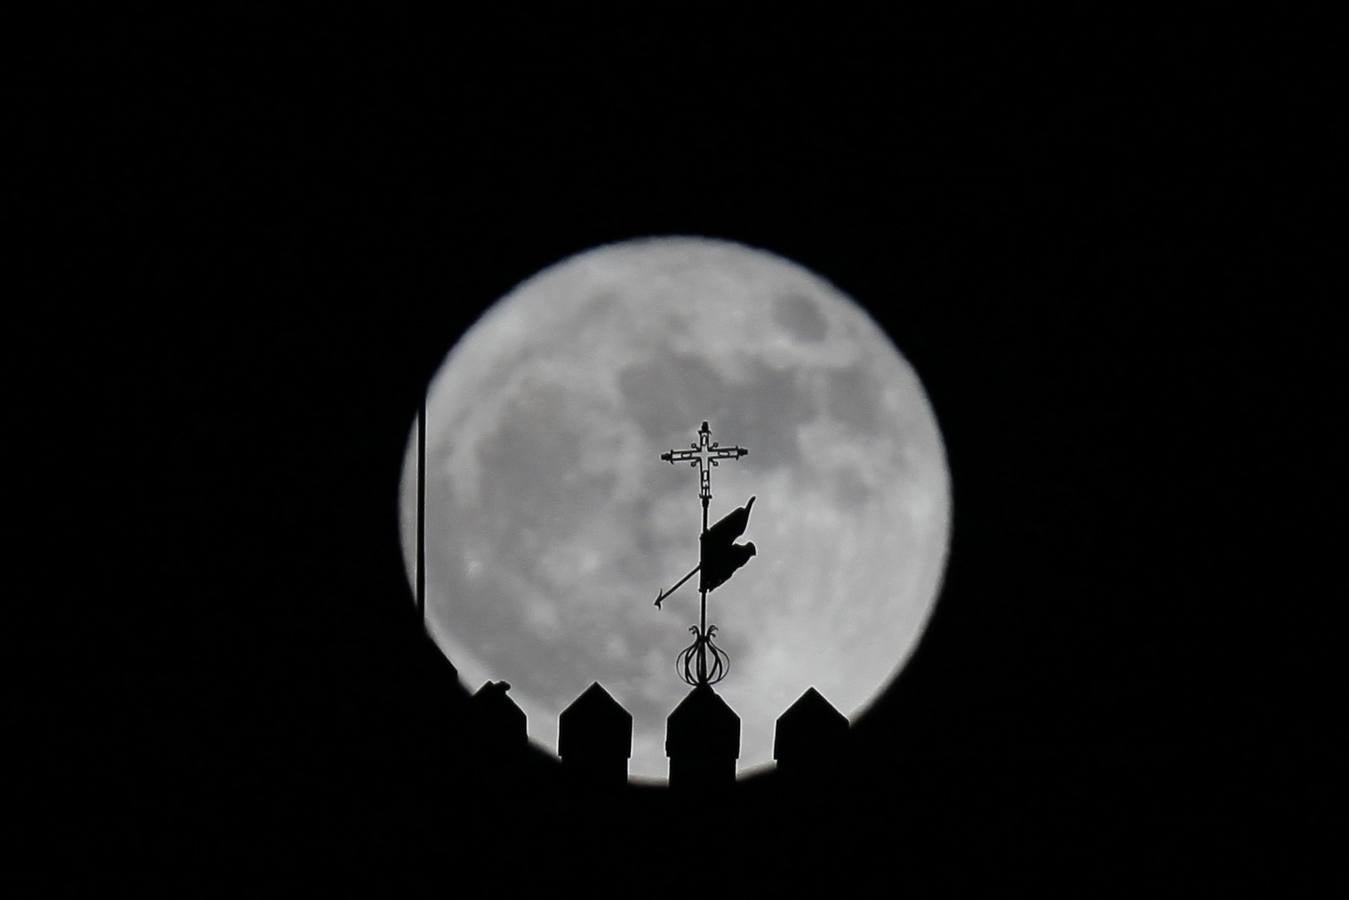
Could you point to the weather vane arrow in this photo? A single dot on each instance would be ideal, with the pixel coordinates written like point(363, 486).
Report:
point(719, 557)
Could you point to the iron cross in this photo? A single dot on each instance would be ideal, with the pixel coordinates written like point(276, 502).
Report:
point(704, 455)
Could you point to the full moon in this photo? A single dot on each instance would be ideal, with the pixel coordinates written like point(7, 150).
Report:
point(552, 523)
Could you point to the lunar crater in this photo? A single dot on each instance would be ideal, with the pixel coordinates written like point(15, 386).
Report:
point(800, 317)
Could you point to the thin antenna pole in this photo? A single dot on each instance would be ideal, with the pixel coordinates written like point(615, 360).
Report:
point(421, 509)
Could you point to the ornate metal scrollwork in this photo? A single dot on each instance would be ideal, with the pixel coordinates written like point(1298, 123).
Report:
point(692, 664)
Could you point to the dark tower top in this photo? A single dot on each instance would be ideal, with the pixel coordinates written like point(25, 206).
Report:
point(703, 725)
point(810, 729)
point(594, 725)
point(499, 721)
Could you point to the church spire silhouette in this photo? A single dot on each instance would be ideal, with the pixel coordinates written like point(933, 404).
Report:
point(718, 558)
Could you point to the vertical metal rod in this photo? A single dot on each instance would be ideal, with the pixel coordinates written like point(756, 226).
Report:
point(421, 510)
point(702, 611)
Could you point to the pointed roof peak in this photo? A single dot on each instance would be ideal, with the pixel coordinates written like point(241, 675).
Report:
point(705, 700)
point(703, 725)
point(813, 704)
point(594, 725)
point(596, 701)
point(810, 728)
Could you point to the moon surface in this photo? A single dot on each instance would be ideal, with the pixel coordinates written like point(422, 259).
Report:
point(551, 521)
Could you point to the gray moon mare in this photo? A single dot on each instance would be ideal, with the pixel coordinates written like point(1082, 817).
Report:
point(551, 522)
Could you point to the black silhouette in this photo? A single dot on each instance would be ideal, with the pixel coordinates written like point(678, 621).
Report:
point(500, 724)
point(702, 740)
point(421, 509)
point(594, 737)
point(721, 556)
point(810, 735)
point(660, 598)
point(705, 455)
point(1129, 680)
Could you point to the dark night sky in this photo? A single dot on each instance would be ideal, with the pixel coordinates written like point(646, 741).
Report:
point(265, 233)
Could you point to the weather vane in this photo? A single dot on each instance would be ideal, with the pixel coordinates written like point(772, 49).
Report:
point(718, 558)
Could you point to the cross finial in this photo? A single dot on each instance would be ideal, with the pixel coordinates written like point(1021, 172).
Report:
point(705, 454)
